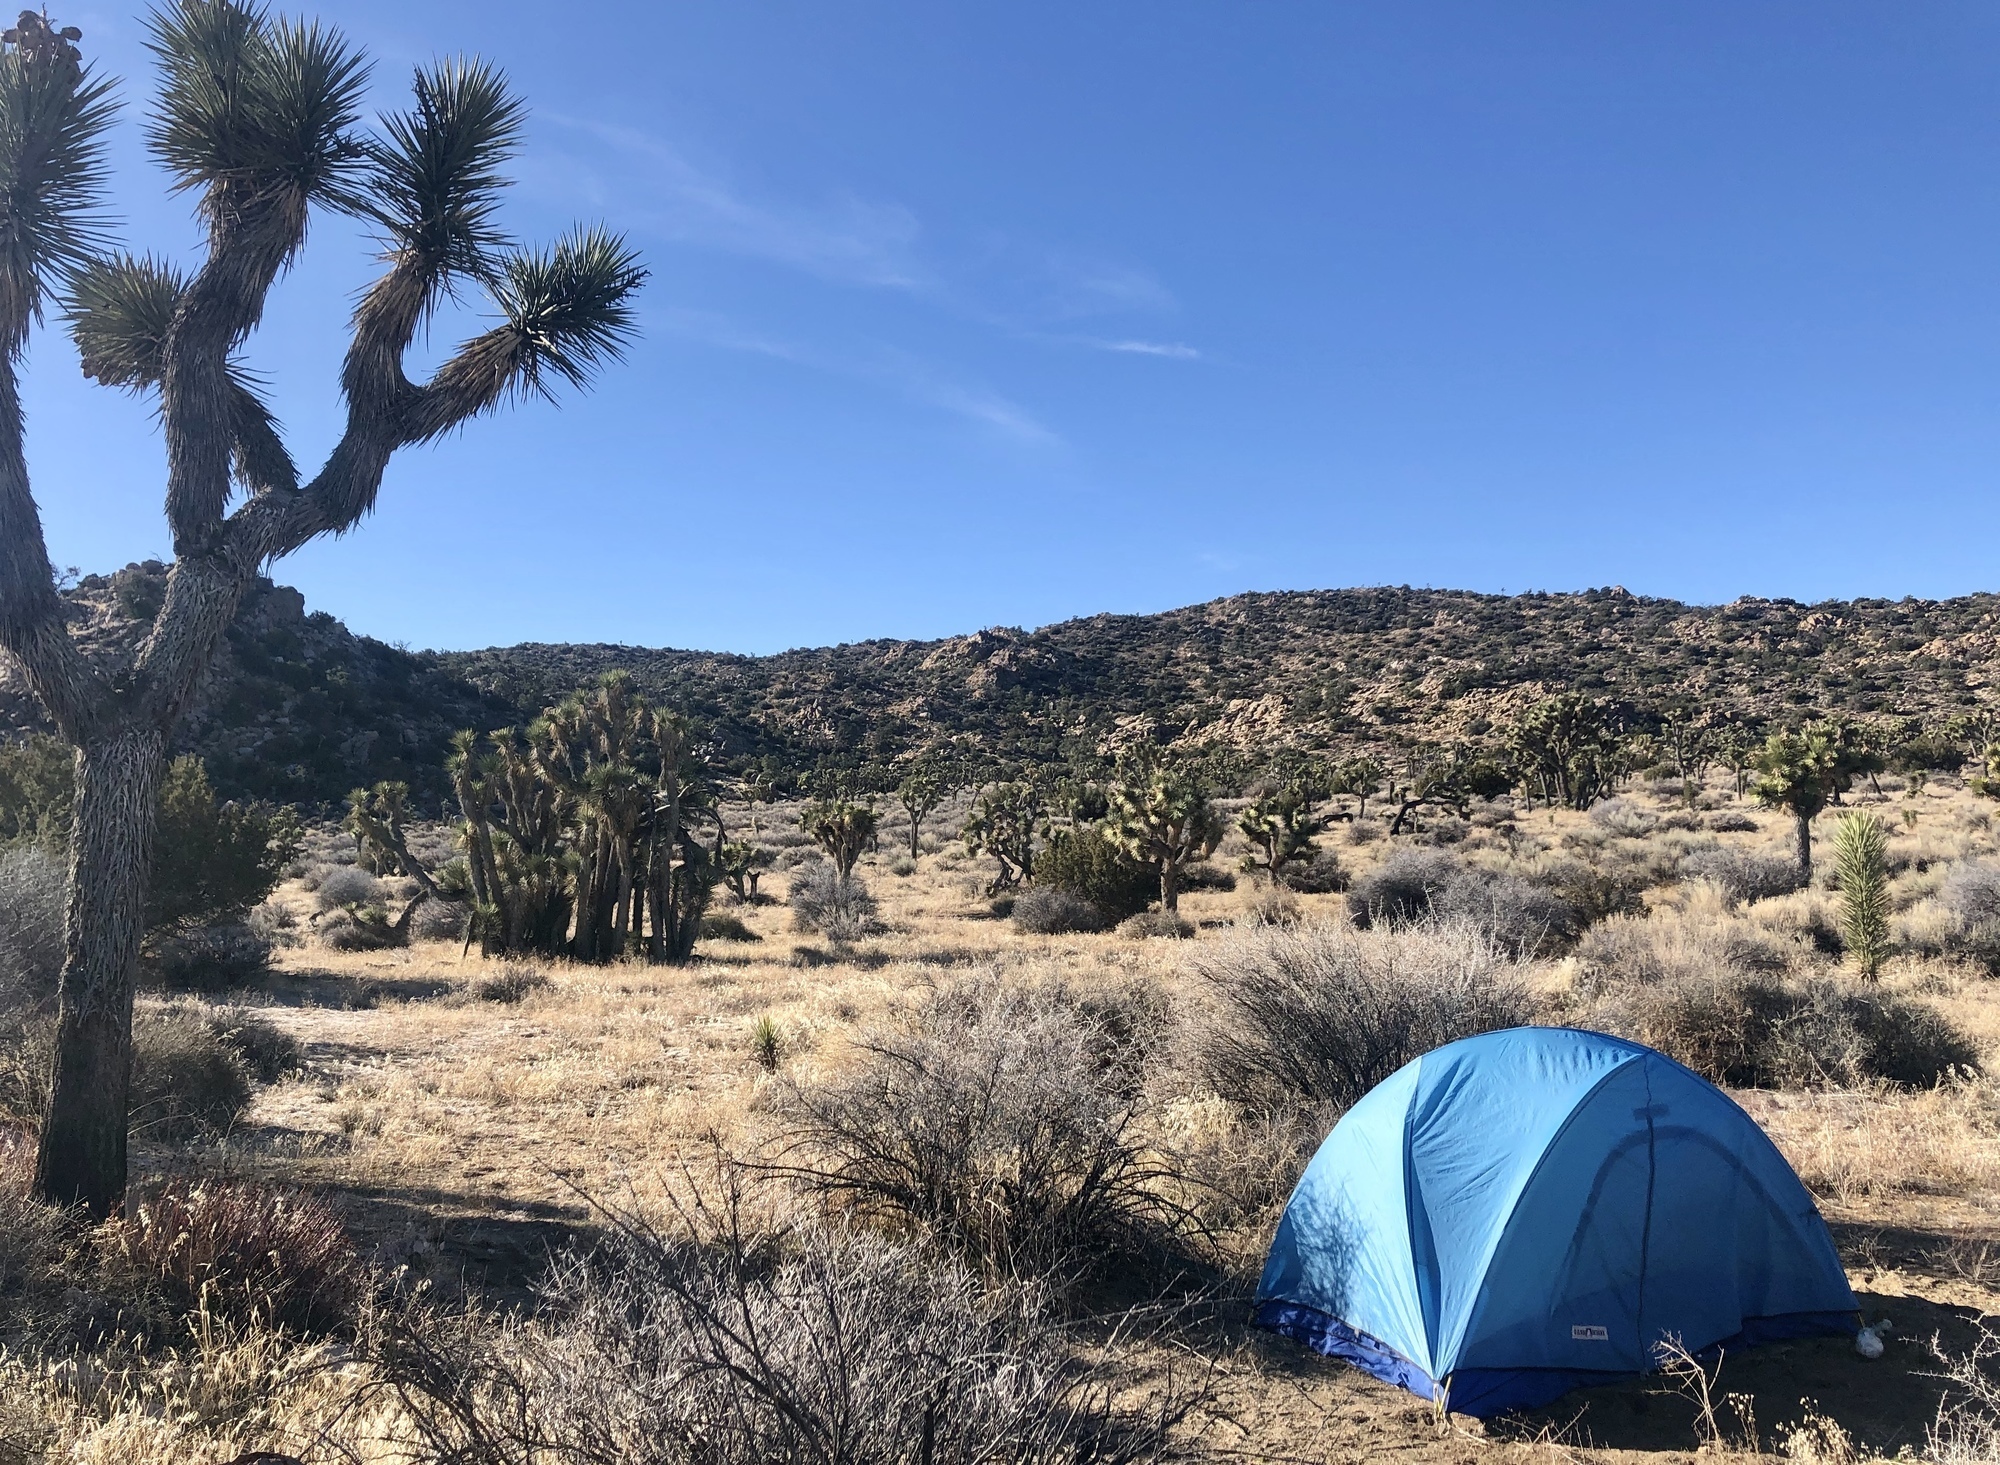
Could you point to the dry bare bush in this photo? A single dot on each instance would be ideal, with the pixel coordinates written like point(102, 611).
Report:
point(1319, 1014)
point(1050, 910)
point(188, 1079)
point(1156, 926)
point(837, 906)
point(512, 983)
point(347, 886)
point(1622, 817)
point(247, 1253)
point(1699, 940)
point(209, 958)
point(826, 1343)
point(1000, 1121)
point(1967, 1429)
point(1740, 874)
point(1416, 885)
point(1756, 1029)
point(31, 925)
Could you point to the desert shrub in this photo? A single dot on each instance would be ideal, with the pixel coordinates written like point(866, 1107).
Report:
point(1622, 817)
point(1084, 863)
point(209, 958)
point(721, 926)
point(1206, 876)
point(36, 1243)
point(837, 906)
point(439, 920)
point(32, 890)
point(1051, 910)
point(188, 1079)
point(346, 887)
point(1640, 951)
point(1321, 875)
point(902, 867)
point(730, 1346)
point(1732, 821)
point(1319, 1014)
point(512, 984)
point(1274, 906)
point(213, 861)
point(1742, 874)
point(1400, 889)
point(999, 1121)
point(1754, 1030)
point(1426, 885)
point(1969, 899)
point(243, 1252)
point(1594, 892)
point(1971, 892)
point(1155, 926)
point(1682, 819)
point(267, 1050)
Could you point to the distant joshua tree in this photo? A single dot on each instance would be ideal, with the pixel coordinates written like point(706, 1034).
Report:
point(1161, 817)
point(841, 828)
point(259, 122)
point(1800, 773)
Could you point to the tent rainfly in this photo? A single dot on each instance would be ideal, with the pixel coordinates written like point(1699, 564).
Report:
point(1525, 1212)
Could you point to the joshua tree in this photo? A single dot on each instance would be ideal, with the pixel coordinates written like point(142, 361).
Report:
point(1799, 773)
point(841, 828)
point(1359, 777)
point(1987, 783)
point(1005, 822)
point(930, 781)
point(581, 835)
point(1282, 824)
point(1569, 746)
point(1860, 853)
point(257, 121)
point(1160, 816)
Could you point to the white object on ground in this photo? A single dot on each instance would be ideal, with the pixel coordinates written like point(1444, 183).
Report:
point(1868, 1342)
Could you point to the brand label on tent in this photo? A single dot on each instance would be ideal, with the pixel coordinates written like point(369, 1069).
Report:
point(1590, 1332)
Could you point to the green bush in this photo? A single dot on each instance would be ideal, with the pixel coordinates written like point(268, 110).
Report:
point(213, 861)
point(1084, 863)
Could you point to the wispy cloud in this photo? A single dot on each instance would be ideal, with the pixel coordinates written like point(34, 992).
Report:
point(1172, 350)
point(658, 188)
point(910, 377)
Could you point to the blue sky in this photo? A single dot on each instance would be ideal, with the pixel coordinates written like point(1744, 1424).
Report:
point(971, 315)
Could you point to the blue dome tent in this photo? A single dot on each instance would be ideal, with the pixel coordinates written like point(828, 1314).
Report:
point(1525, 1212)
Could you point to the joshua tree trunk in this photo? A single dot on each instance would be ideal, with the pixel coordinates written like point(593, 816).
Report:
point(1804, 822)
point(82, 1155)
point(1170, 886)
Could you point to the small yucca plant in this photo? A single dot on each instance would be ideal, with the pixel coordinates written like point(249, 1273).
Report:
point(765, 1043)
point(1861, 858)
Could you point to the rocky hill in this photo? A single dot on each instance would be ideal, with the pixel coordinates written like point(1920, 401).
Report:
point(297, 708)
point(1333, 668)
point(302, 710)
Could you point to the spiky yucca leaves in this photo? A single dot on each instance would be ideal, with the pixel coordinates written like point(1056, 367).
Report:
point(257, 115)
point(53, 116)
point(1860, 853)
point(591, 816)
point(1987, 783)
point(1160, 816)
point(437, 178)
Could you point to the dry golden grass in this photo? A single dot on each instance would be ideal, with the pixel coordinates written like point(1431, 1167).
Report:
point(464, 1135)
